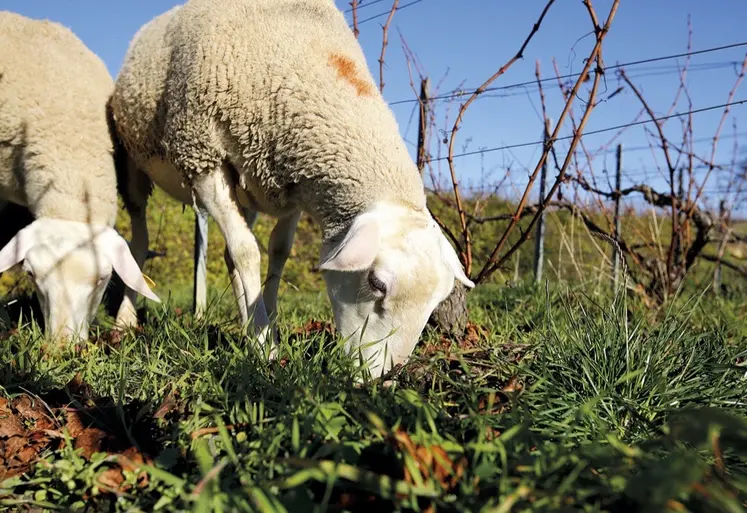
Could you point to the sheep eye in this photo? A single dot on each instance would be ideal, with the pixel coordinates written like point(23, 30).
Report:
point(29, 273)
point(376, 283)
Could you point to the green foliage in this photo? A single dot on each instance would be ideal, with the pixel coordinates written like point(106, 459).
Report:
point(568, 402)
point(573, 256)
point(568, 397)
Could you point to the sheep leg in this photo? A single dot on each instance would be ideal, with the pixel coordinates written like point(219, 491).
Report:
point(127, 313)
point(238, 289)
point(135, 197)
point(216, 190)
point(279, 248)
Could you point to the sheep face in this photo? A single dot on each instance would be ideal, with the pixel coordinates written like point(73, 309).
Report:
point(385, 278)
point(71, 264)
point(70, 283)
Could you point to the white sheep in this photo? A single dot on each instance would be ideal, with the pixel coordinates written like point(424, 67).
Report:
point(56, 160)
point(245, 106)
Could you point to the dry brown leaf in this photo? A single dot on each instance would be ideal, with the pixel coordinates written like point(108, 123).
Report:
point(74, 425)
point(79, 387)
point(90, 441)
point(11, 426)
point(26, 429)
point(491, 433)
point(130, 460)
point(113, 480)
point(168, 405)
point(33, 410)
point(27, 454)
point(13, 446)
point(314, 327)
point(4, 407)
point(473, 335)
point(432, 461)
point(110, 479)
point(499, 404)
point(443, 345)
point(512, 385)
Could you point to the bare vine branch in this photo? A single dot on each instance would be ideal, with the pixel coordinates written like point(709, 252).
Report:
point(385, 42)
point(467, 249)
point(354, 11)
point(594, 57)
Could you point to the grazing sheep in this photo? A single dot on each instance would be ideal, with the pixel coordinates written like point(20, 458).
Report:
point(241, 106)
point(56, 160)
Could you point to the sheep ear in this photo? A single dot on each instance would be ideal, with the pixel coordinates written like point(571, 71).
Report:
point(15, 250)
point(357, 250)
point(125, 266)
point(451, 258)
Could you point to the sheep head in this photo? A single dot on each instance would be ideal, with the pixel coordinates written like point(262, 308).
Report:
point(385, 278)
point(70, 264)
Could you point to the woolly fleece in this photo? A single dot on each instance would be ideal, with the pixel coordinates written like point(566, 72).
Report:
point(281, 91)
point(55, 144)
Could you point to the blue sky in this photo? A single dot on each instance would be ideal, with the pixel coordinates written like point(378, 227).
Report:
point(471, 38)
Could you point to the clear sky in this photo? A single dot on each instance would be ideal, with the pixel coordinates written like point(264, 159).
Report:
point(469, 39)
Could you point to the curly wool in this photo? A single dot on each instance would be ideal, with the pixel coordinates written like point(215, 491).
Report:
point(55, 143)
point(278, 89)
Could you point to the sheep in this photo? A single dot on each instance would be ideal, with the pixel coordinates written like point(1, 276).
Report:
point(246, 106)
point(56, 160)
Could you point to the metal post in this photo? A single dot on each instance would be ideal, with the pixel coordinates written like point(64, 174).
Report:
point(539, 244)
point(618, 221)
point(679, 220)
point(200, 259)
point(423, 127)
point(723, 225)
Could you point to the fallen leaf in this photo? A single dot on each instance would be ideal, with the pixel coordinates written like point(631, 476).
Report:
point(78, 387)
point(474, 334)
point(491, 433)
point(113, 479)
point(110, 479)
point(11, 426)
point(27, 454)
point(168, 405)
point(432, 462)
point(512, 385)
point(27, 427)
point(112, 338)
point(13, 446)
point(90, 441)
point(499, 404)
point(131, 460)
point(314, 327)
point(33, 410)
point(74, 425)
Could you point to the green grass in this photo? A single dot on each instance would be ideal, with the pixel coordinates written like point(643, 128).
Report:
point(565, 398)
point(559, 401)
point(572, 256)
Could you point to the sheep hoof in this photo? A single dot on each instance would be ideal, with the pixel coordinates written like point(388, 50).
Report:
point(269, 334)
point(126, 318)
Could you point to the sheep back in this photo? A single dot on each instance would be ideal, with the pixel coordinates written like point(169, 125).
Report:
point(280, 89)
point(55, 144)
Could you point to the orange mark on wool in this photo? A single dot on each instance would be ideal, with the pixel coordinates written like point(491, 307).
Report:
point(347, 71)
